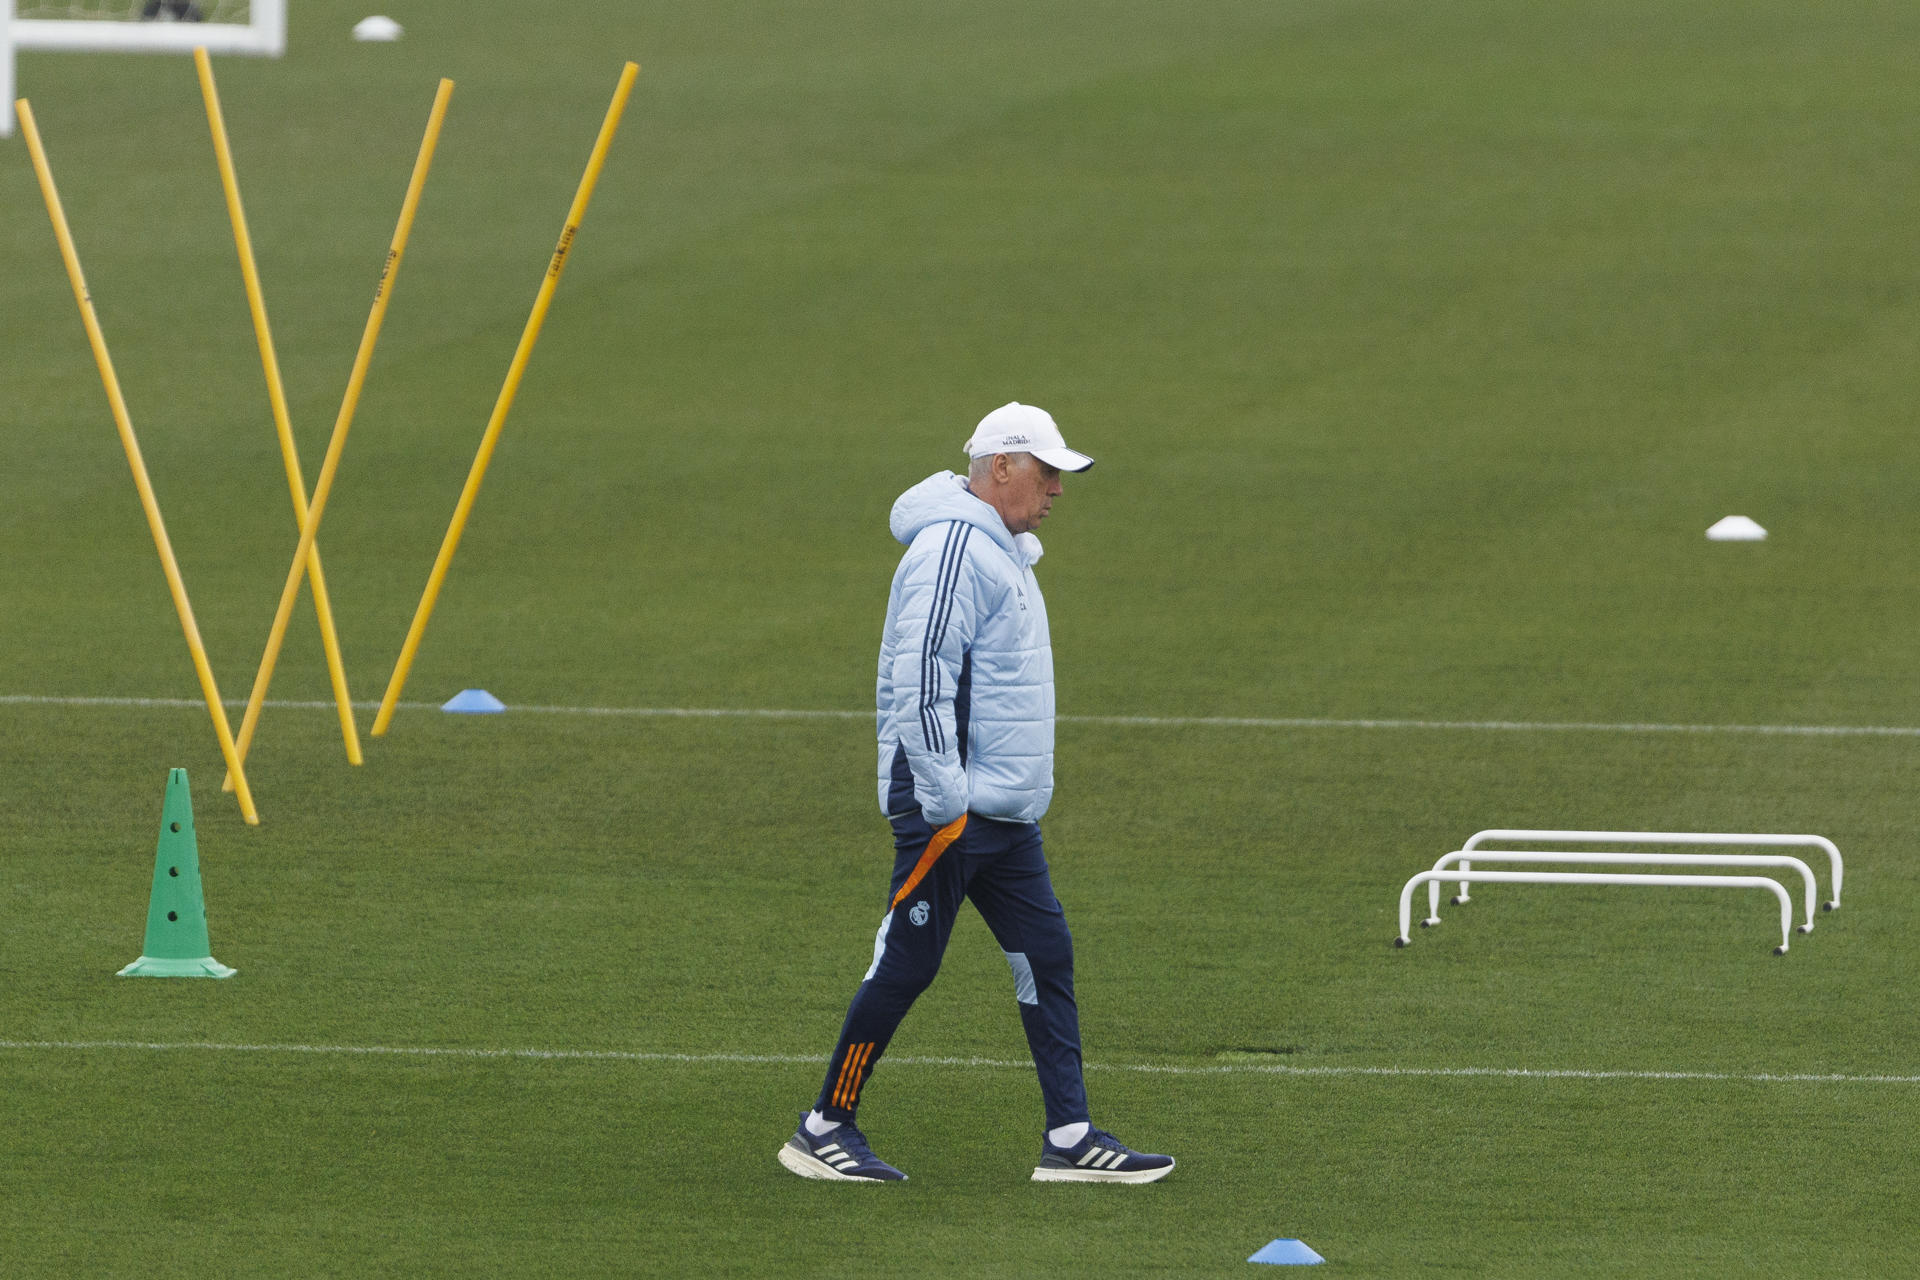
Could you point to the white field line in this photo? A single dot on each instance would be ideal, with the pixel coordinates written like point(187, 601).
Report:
point(1214, 722)
point(987, 1064)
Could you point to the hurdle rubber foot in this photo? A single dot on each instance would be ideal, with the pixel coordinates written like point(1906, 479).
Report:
point(1401, 942)
point(1805, 928)
point(1780, 950)
point(1830, 906)
point(1458, 901)
point(1429, 922)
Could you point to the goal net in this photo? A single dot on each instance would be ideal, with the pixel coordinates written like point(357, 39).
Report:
point(136, 26)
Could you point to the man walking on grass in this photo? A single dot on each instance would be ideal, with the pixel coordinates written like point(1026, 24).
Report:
point(965, 716)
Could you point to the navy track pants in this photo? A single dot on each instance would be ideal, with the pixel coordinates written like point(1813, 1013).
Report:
point(1000, 867)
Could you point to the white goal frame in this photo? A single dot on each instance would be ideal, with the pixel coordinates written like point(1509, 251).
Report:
point(264, 35)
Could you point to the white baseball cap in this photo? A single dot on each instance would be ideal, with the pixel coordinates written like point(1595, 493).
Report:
point(1021, 428)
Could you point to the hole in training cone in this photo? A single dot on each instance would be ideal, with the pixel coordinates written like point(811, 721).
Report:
point(177, 944)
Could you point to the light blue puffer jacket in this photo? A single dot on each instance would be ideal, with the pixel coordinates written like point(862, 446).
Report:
point(965, 695)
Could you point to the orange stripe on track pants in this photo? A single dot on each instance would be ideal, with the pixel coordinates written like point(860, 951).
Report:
point(935, 847)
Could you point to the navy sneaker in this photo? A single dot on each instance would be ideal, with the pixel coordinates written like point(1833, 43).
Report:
point(840, 1155)
point(1099, 1157)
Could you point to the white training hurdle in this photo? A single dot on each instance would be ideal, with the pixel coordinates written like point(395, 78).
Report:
point(1719, 838)
point(1594, 877)
point(1631, 859)
point(1458, 866)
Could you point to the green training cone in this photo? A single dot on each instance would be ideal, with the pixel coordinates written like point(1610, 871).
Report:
point(177, 912)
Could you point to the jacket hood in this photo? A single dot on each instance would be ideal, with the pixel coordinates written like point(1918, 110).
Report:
point(944, 496)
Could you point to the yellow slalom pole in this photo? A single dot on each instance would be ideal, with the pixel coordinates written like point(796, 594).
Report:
point(121, 420)
point(277, 399)
point(515, 369)
point(310, 527)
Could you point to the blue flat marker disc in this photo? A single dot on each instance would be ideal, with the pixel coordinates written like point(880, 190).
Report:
point(473, 702)
point(1287, 1252)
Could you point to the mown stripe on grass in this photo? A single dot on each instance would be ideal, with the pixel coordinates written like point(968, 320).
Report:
point(1173, 722)
point(990, 1064)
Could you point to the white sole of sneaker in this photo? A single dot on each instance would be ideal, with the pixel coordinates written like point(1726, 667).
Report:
point(1044, 1174)
point(807, 1167)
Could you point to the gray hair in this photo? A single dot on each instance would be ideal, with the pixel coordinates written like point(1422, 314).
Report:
point(978, 468)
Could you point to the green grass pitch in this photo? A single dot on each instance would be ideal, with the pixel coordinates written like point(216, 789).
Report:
point(1419, 344)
